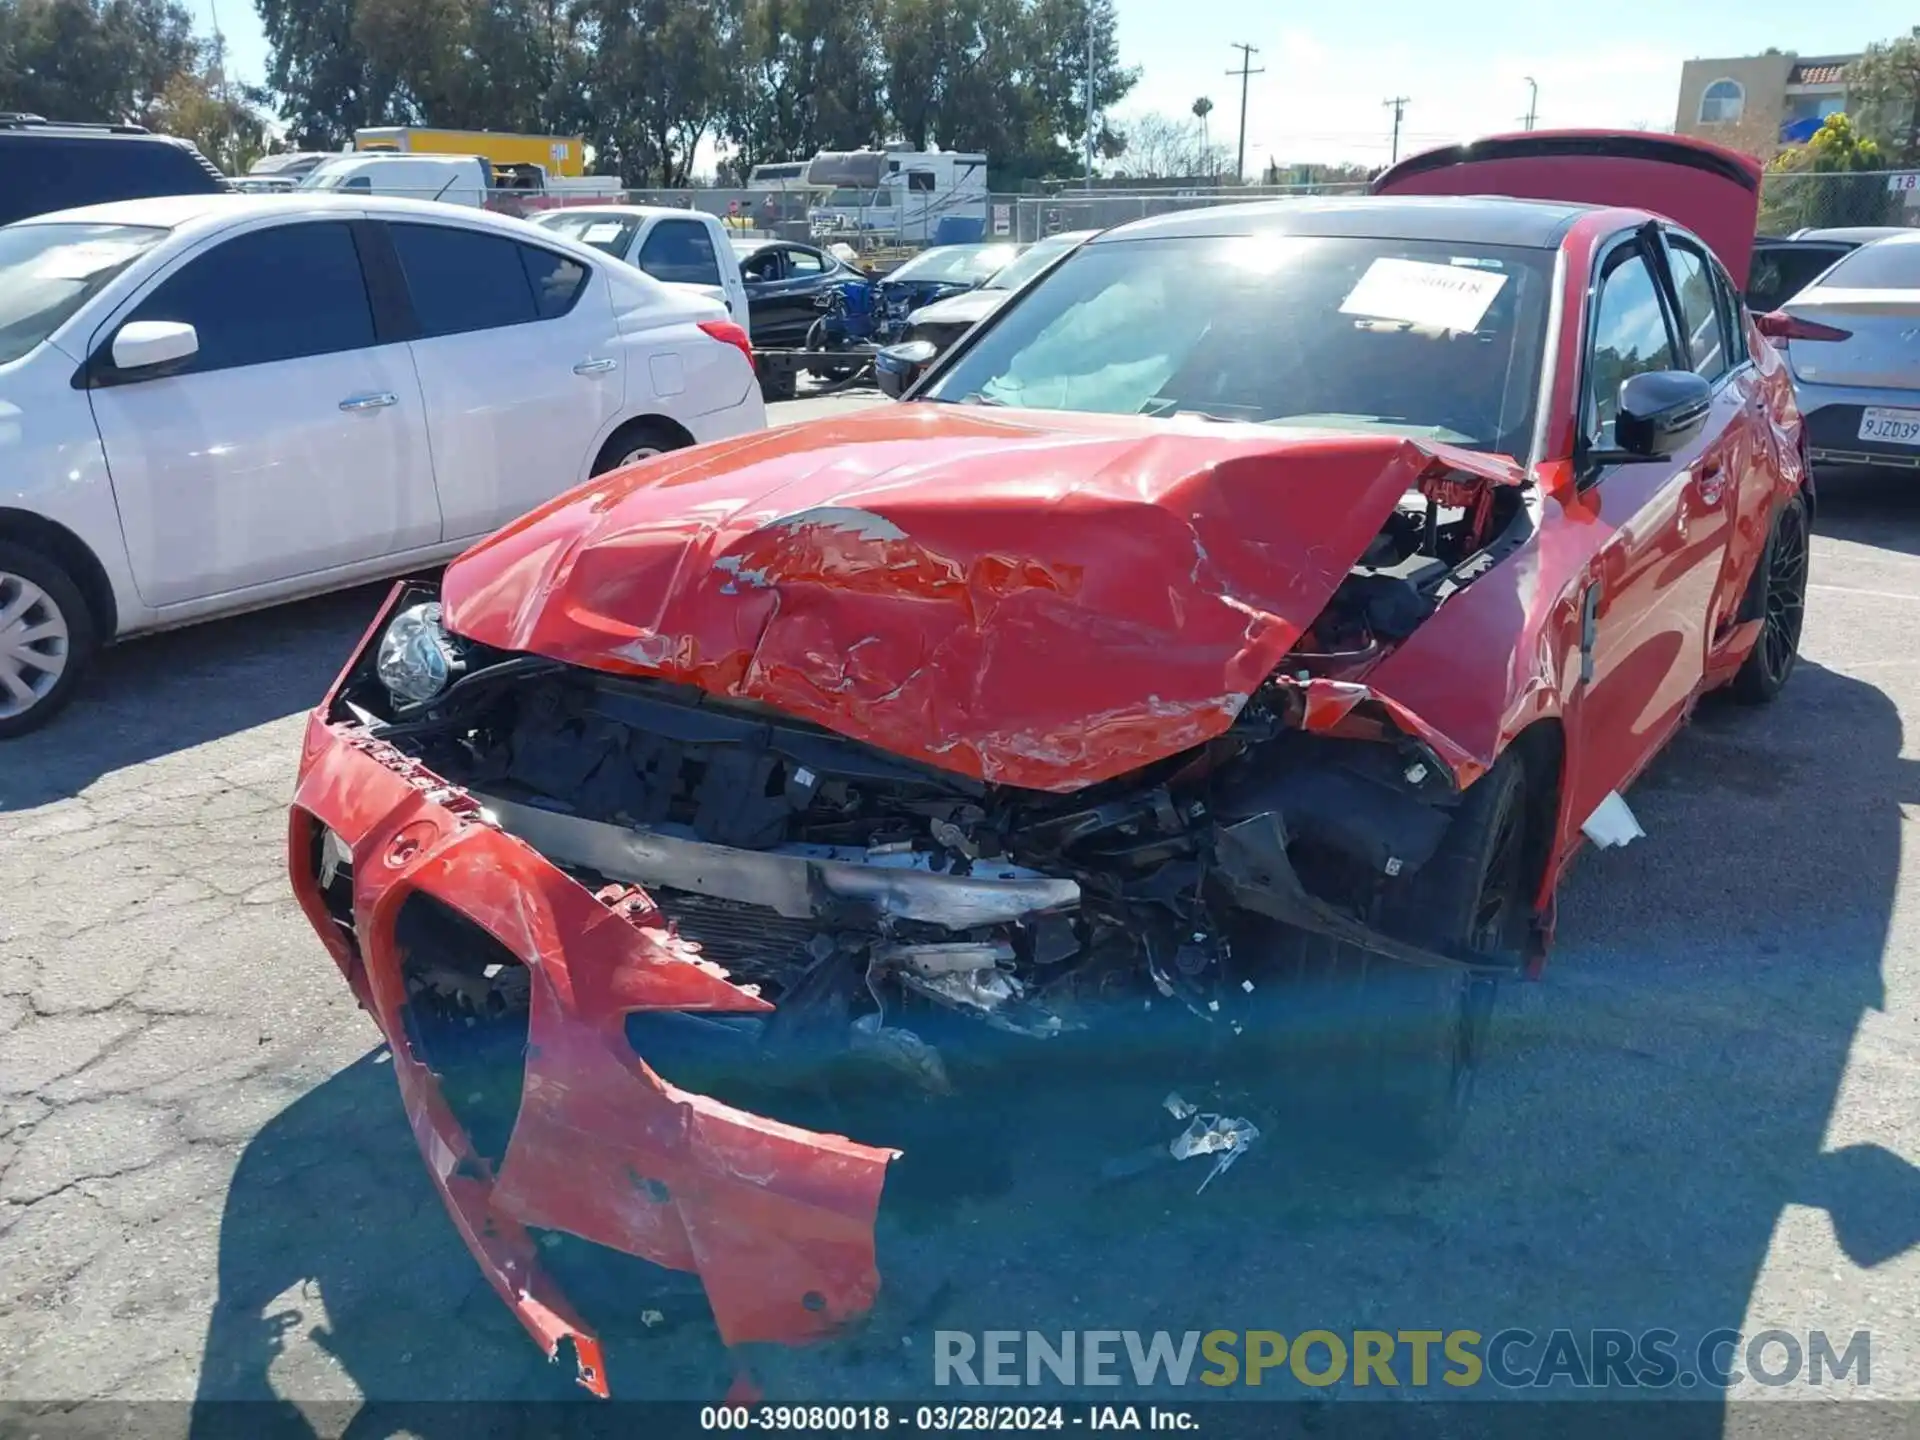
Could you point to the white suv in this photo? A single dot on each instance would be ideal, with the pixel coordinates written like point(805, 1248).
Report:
point(213, 403)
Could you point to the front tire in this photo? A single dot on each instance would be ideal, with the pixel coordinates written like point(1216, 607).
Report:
point(1765, 671)
point(46, 639)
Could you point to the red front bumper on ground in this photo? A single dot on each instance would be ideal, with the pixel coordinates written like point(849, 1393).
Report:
point(777, 1222)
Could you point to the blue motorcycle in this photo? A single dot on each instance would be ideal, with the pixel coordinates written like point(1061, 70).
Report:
point(849, 321)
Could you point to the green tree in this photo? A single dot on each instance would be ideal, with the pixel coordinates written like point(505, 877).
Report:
point(1830, 180)
point(1883, 88)
point(1007, 77)
point(657, 82)
point(806, 76)
point(220, 117)
point(339, 65)
point(324, 80)
point(93, 60)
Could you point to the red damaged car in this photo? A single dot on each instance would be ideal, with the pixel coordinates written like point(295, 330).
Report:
point(1268, 589)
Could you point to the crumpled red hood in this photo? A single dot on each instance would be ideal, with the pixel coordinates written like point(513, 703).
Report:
point(1041, 600)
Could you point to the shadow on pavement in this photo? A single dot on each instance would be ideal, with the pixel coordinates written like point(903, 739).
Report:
point(1651, 1108)
point(1871, 507)
point(182, 688)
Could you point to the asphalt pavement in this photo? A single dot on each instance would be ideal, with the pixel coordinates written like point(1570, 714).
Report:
point(1706, 1115)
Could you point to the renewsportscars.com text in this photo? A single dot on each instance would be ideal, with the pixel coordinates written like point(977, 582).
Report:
point(1513, 1359)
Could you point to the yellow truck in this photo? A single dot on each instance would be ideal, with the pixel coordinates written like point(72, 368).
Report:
point(560, 155)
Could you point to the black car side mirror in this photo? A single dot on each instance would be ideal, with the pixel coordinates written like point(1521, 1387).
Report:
point(898, 367)
point(1661, 412)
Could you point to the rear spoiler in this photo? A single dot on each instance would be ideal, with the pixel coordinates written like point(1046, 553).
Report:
point(1712, 191)
point(1567, 144)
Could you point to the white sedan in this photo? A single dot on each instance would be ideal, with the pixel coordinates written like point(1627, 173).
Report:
point(213, 403)
point(1852, 340)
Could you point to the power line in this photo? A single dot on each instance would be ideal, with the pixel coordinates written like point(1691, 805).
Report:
point(1247, 52)
point(1399, 103)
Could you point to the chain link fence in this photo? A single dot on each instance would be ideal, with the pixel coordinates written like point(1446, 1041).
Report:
point(863, 220)
point(1819, 201)
point(1788, 202)
point(1026, 218)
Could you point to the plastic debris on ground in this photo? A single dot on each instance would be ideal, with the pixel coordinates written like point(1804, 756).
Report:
point(1225, 1137)
point(1612, 823)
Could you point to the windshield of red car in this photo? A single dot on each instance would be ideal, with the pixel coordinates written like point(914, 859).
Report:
point(1423, 338)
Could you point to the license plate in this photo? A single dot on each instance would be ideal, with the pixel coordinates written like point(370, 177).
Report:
point(1893, 427)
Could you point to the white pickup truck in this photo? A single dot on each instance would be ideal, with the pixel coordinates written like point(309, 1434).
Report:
point(688, 249)
point(460, 180)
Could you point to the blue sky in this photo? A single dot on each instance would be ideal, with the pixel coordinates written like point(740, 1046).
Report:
point(1461, 65)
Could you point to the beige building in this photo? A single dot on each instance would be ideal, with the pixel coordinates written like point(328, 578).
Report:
point(1759, 102)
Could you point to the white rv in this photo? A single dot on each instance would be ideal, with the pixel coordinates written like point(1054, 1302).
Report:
point(899, 195)
point(781, 175)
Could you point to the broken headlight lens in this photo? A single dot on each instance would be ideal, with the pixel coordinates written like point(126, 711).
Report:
point(416, 660)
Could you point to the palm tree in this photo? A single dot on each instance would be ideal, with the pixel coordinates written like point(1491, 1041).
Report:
point(1202, 108)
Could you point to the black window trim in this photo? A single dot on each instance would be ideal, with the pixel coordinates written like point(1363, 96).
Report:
point(393, 317)
point(1669, 235)
point(98, 372)
point(1736, 303)
point(1641, 240)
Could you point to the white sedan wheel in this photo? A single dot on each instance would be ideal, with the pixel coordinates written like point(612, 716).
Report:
point(637, 454)
point(34, 645)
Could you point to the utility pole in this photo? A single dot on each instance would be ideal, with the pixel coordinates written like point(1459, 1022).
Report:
point(1533, 100)
point(220, 74)
point(1092, 140)
point(1398, 103)
point(1247, 52)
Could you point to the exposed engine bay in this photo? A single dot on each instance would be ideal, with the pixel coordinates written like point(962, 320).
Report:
point(854, 889)
point(1429, 547)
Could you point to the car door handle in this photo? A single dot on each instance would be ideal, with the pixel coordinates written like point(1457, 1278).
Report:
point(594, 367)
point(378, 401)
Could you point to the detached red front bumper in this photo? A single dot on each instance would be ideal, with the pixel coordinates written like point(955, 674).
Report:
point(776, 1221)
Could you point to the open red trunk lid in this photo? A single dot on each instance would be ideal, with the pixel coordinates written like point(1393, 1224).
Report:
point(1712, 191)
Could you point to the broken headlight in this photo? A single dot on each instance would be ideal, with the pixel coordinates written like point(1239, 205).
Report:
point(417, 659)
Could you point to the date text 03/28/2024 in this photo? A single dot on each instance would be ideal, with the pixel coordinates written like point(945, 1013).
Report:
point(815, 1419)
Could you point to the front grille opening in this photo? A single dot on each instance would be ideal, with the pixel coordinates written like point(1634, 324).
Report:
point(756, 945)
point(467, 1012)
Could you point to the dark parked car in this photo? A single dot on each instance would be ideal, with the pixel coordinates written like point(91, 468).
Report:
point(783, 280)
point(1784, 265)
point(945, 321)
point(937, 273)
point(52, 165)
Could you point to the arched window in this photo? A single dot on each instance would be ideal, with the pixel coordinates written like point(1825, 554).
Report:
point(1721, 102)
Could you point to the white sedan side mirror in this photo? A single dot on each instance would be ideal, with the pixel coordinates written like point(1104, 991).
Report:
point(142, 344)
